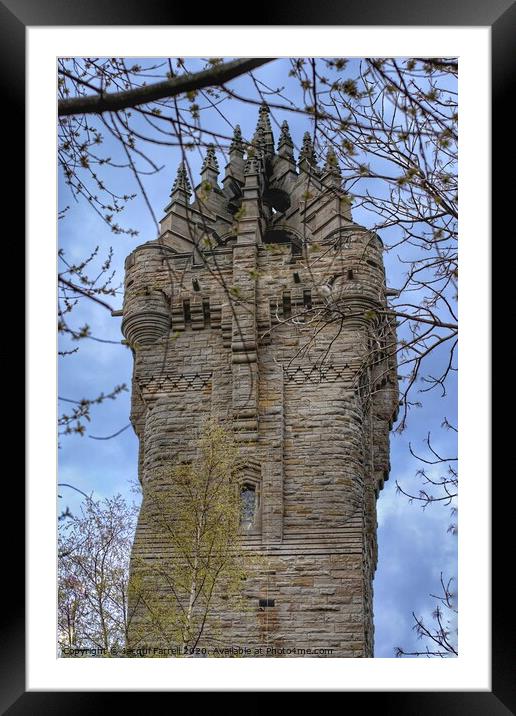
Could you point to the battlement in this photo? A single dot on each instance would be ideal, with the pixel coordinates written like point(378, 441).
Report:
point(265, 196)
point(297, 216)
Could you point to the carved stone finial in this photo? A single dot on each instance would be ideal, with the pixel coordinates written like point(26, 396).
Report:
point(210, 161)
point(264, 119)
point(181, 183)
point(237, 144)
point(285, 140)
point(331, 165)
point(252, 165)
point(331, 172)
point(307, 154)
point(263, 128)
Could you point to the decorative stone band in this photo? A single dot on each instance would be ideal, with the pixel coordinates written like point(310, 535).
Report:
point(144, 327)
point(167, 382)
point(320, 374)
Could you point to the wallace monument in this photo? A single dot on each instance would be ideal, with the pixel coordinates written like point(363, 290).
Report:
point(262, 305)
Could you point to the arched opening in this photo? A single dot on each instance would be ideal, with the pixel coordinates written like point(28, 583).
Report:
point(278, 199)
point(283, 236)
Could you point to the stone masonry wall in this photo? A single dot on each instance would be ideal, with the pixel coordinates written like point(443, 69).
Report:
point(243, 332)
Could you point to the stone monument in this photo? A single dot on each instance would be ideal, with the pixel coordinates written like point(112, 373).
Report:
point(263, 305)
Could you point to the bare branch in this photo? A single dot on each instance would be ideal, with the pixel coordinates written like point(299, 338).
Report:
point(115, 101)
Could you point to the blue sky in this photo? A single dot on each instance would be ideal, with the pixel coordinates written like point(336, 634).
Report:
point(414, 546)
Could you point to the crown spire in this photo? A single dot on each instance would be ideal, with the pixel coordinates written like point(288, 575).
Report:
point(260, 141)
point(210, 160)
point(264, 128)
point(285, 143)
point(210, 167)
point(331, 171)
point(237, 145)
point(307, 156)
point(331, 165)
point(252, 164)
point(263, 116)
point(181, 183)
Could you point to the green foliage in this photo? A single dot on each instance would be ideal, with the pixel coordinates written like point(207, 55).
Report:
point(196, 508)
point(239, 213)
point(253, 273)
point(348, 147)
point(235, 291)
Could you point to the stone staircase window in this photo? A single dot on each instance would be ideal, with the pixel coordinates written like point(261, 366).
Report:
point(248, 506)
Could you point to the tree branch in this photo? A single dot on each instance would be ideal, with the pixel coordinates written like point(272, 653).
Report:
point(114, 101)
point(83, 292)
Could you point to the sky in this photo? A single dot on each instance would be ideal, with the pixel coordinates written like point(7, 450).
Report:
point(414, 544)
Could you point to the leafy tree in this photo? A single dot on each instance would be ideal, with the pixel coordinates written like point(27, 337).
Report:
point(196, 508)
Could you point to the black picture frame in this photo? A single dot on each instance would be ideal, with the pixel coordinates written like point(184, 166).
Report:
point(15, 16)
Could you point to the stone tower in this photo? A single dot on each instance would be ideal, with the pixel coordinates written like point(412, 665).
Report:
point(263, 305)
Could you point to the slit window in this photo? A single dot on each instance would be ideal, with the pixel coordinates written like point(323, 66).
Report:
point(297, 249)
point(187, 313)
point(266, 603)
point(206, 311)
point(247, 505)
point(287, 308)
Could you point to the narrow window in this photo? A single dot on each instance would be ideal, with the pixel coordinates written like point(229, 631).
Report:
point(206, 311)
point(187, 313)
point(287, 309)
point(297, 249)
point(262, 603)
point(247, 506)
